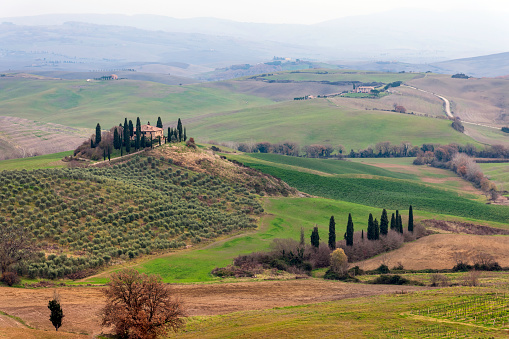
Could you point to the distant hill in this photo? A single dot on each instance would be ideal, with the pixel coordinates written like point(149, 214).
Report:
point(87, 42)
point(492, 65)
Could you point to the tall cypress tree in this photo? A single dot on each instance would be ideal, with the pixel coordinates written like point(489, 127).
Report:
point(56, 314)
point(302, 242)
point(159, 122)
point(371, 233)
point(92, 143)
point(185, 136)
point(332, 233)
point(137, 143)
point(393, 222)
point(362, 234)
point(315, 237)
point(127, 138)
point(131, 129)
point(376, 230)
point(115, 138)
point(349, 231)
point(384, 223)
point(179, 129)
point(400, 224)
point(97, 134)
point(169, 133)
point(410, 219)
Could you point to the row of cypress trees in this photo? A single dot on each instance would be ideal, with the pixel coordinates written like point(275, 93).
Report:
point(374, 230)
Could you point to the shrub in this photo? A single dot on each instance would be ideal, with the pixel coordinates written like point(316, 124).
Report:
point(439, 280)
point(10, 278)
point(395, 279)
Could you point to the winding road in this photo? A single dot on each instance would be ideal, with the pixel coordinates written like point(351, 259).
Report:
point(447, 103)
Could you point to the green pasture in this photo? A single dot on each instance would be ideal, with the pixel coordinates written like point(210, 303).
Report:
point(341, 75)
point(384, 192)
point(79, 103)
point(322, 166)
point(318, 121)
point(383, 316)
point(498, 173)
point(41, 161)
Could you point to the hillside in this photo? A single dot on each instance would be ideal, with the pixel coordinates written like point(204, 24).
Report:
point(88, 217)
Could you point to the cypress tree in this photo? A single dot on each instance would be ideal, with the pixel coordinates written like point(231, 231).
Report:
point(151, 141)
point(142, 144)
point(410, 219)
point(124, 130)
point(302, 241)
point(332, 233)
point(315, 237)
point(393, 222)
point(104, 154)
point(159, 122)
point(362, 234)
point(97, 134)
point(91, 143)
point(57, 314)
point(109, 158)
point(131, 129)
point(179, 129)
point(115, 139)
point(371, 233)
point(185, 136)
point(169, 133)
point(127, 139)
point(137, 143)
point(384, 223)
point(349, 231)
point(400, 224)
point(376, 230)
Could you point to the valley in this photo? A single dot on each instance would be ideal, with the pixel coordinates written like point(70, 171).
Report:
point(180, 210)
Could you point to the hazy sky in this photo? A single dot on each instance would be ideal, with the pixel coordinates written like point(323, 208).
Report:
point(273, 11)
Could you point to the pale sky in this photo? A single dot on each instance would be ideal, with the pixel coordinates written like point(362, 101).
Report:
point(267, 11)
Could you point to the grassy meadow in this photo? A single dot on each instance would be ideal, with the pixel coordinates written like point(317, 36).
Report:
point(498, 173)
point(318, 121)
point(42, 161)
point(79, 103)
point(340, 75)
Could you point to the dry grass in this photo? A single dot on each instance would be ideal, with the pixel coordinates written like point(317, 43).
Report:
point(435, 251)
point(21, 138)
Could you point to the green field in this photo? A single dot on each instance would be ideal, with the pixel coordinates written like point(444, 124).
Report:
point(318, 121)
point(341, 75)
point(79, 103)
point(41, 161)
point(382, 192)
point(498, 173)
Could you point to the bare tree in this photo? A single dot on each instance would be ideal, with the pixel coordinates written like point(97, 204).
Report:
point(15, 246)
point(141, 306)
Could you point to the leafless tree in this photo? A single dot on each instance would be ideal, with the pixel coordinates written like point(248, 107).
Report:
point(15, 246)
point(141, 306)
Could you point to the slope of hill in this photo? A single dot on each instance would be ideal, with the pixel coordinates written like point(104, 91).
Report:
point(492, 65)
point(323, 122)
point(376, 191)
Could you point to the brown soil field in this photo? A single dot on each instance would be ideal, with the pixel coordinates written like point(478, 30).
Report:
point(475, 100)
point(20, 138)
point(435, 251)
point(82, 304)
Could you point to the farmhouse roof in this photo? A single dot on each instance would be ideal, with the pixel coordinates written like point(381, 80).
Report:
point(149, 128)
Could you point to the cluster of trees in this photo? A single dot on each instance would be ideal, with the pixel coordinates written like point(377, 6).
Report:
point(449, 157)
point(300, 258)
point(505, 129)
point(101, 215)
point(457, 125)
point(124, 138)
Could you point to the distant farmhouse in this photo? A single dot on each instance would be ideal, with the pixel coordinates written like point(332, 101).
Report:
point(364, 89)
point(150, 131)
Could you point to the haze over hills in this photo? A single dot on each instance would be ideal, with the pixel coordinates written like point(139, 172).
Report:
point(391, 41)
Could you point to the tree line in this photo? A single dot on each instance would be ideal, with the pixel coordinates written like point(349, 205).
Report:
point(383, 149)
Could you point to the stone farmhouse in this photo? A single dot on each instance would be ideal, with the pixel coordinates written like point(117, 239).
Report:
point(150, 131)
point(364, 89)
